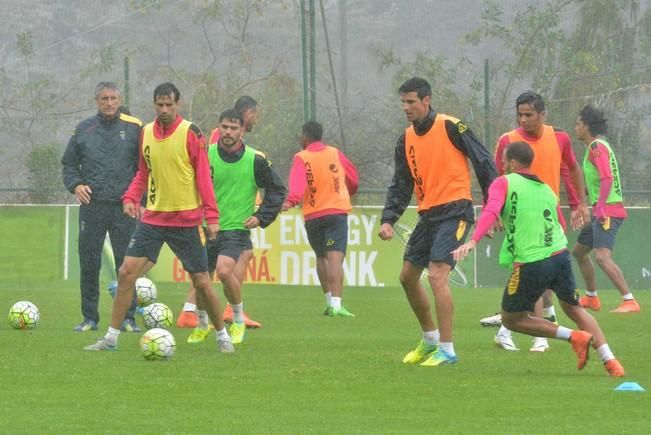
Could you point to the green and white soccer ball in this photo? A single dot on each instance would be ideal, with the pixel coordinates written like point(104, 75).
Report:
point(24, 315)
point(157, 344)
point(146, 292)
point(157, 315)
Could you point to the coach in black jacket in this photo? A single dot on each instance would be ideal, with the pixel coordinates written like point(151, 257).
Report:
point(98, 164)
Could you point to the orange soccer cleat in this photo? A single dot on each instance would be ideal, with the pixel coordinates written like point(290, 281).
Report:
point(228, 318)
point(187, 319)
point(614, 368)
point(629, 306)
point(590, 302)
point(581, 341)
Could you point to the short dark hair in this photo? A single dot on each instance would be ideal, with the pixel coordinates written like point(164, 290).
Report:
point(531, 98)
point(418, 85)
point(106, 85)
point(312, 130)
point(594, 119)
point(520, 152)
point(165, 89)
point(231, 115)
point(245, 103)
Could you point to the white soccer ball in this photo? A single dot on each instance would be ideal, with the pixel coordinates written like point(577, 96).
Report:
point(157, 344)
point(146, 292)
point(157, 315)
point(24, 315)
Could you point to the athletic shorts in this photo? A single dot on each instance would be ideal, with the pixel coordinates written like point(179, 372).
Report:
point(600, 234)
point(187, 243)
point(328, 233)
point(435, 241)
point(230, 243)
point(529, 280)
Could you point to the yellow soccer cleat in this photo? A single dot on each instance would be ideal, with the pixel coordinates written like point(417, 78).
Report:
point(236, 331)
point(199, 335)
point(419, 354)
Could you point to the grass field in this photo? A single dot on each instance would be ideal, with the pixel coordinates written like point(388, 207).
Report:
point(306, 373)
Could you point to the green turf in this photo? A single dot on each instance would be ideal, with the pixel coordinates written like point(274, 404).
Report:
point(306, 373)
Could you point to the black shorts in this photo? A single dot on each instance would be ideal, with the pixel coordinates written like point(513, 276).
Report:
point(187, 243)
point(528, 282)
point(328, 233)
point(435, 241)
point(230, 243)
point(600, 234)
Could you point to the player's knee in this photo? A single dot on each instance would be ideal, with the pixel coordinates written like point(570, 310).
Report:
point(438, 277)
point(127, 273)
point(579, 252)
point(602, 256)
point(224, 273)
point(201, 282)
point(510, 321)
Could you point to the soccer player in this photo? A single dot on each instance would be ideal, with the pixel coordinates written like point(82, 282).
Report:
point(238, 171)
point(247, 107)
point(553, 159)
point(535, 248)
point(174, 170)
point(323, 179)
point(98, 164)
point(431, 161)
point(608, 213)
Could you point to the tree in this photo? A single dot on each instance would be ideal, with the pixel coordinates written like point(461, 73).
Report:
point(603, 61)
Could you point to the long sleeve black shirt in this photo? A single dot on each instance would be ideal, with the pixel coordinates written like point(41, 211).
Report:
point(402, 184)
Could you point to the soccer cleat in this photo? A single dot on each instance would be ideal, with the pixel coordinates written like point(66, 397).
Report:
point(198, 335)
point(251, 323)
point(590, 302)
point(341, 312)
point(187, 319)
point(505, 341)
point(419, 354)
point(581, 341)
point(129, 325)
point(439, 358)
point(327, 311)
point(236, 331)
point(495, 320)
point(112, 288)
point(225, 346)
point(228, 318)
point(228, 314)
point(630, 306)
point(86, 325)
point(614, 368)
point(540, 344)
point(102, 344)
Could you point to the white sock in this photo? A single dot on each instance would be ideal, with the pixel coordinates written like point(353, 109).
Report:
point(549, 312)
point(504, 331)
point(431, 338)
point(328, 296)
point(223, 335)
point(563, 333)
point(112, 335)
point(591, 294)
point(203, 319)
point(605, 353)
point(335, 302)
point(238, 312)
point(448, 348)
point(628, 297)
point(189, 307)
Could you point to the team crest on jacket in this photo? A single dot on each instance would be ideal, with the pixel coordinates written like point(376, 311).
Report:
point(123, 135)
